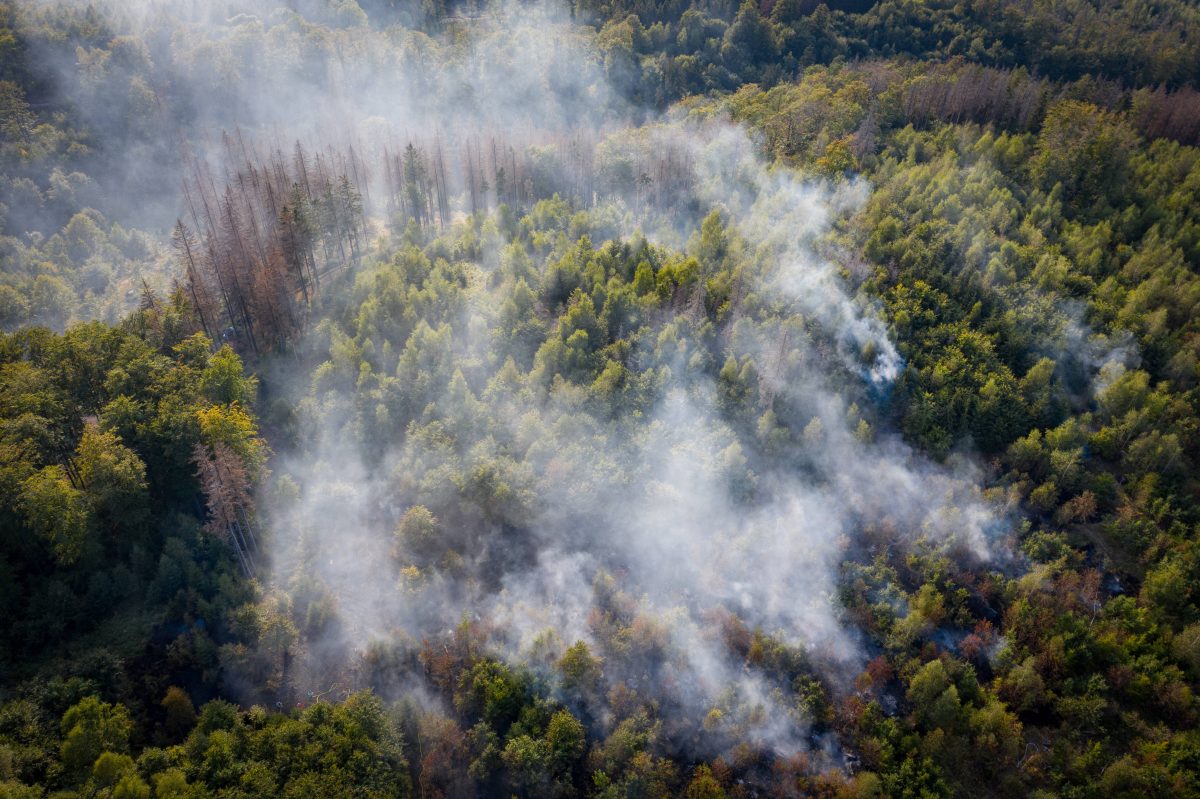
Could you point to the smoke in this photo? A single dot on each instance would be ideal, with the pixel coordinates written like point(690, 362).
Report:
point(707, 485)
point(635, 518)
point(1090, 361)
point(155, 84)
point(785, 219)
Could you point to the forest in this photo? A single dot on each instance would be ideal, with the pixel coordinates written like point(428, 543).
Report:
point(604, 398)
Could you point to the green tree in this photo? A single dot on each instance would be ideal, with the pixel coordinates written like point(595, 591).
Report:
point(114, 480)
point(56, 512)
point(90, 728)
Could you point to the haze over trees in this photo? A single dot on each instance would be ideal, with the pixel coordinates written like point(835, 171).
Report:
point(607, 400)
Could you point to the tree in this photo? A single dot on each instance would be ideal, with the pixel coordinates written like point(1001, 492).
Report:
point(234, 428)
point(748, 42)
point(566, 739)
point(187, 247)
point(528, 762)
point(703, 785)
point(18, 121)
point(223, 381)
point(117, 778)
point(226, 487)
point(114, 479)
point(1086, 151)
point(180, 713)
point(57, 513)
point(418, 532)
point(581, 670)
point(91, 728)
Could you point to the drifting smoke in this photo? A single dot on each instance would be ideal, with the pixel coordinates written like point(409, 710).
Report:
point(558, 517)
point(1092, 361)
point(689, 519)
point(785, 219)
point(171, 78)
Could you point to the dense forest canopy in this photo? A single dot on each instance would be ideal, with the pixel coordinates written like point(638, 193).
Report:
point(608, 399)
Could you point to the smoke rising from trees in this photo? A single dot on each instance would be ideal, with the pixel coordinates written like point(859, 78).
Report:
point(713, 476)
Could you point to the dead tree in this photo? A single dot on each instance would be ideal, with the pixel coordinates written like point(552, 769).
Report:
point(185, 246)
point(226, 488)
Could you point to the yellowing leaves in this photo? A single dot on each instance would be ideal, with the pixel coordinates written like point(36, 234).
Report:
point(233, 427)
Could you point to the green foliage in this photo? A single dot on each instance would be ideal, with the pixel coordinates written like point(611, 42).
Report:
point(1031, 240)
point(1084, 152)
point(56, 512)
point(92, 728)
point(94, 427)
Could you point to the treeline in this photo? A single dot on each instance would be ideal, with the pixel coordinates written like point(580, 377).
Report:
point(107, 130)
point(663, 52)
point(434, 183)
point(1032, 242)
point(151, 90)
point(1014, 100)
point(839, 114)
point(979, 681)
